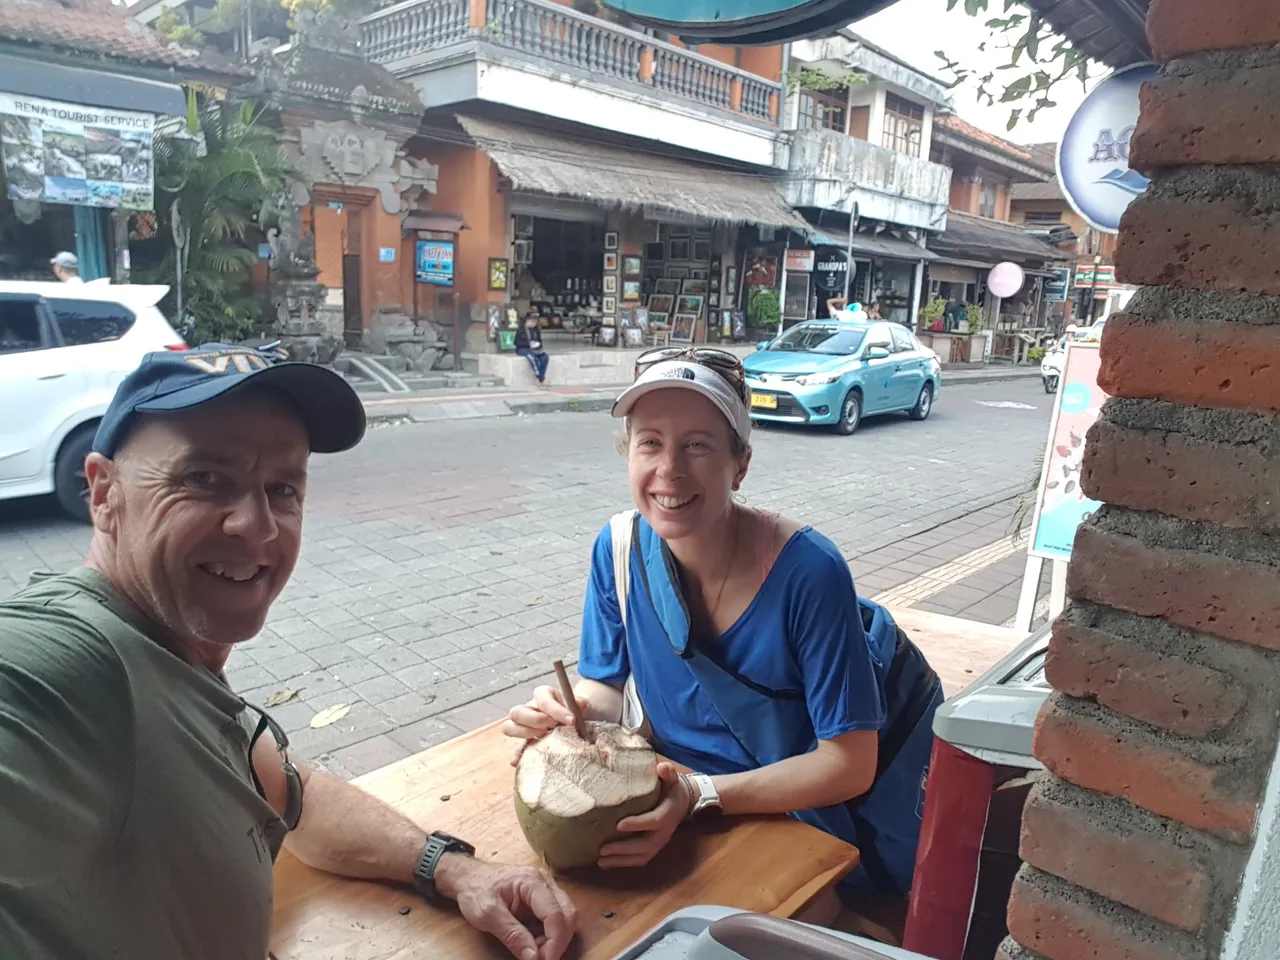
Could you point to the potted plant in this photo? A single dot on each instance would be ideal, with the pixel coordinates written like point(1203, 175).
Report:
point(764, 312)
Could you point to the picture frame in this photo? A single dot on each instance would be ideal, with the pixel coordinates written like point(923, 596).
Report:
point(701, 250)
point(655, 251)
point(609, 305)
point(678, 249)
point(631, 266)
point(523, 225)
point(689, 304)
point(694, 288)
point(697, 274)
point(630, 290)
point(607, 336)
point(522, 251)
point(633, 336)
point(702, 232)
point(610, 284)
point(713, 300)
point(679, 230)
point(659, 319)
point(661, 302)
point(611, 240)
point(669, 287)
point(682, 327)
point(610, 263)
point(678, 273)
point(499, 273)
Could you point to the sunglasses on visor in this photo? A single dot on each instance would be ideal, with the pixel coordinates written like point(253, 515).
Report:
point(728, 365)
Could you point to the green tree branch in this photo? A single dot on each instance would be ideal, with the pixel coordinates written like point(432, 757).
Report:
point(1039, 60)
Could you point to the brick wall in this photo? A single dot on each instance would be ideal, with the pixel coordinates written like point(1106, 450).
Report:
point(1166, 664)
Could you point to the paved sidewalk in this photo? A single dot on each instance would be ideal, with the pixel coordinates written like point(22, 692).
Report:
point(430, 406)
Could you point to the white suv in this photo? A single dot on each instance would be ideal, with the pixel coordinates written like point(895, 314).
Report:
point(64, 348)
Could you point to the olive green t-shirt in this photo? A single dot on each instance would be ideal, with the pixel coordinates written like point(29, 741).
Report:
point(130, 827)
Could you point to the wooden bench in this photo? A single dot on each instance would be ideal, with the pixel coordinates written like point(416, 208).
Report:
point(773, 865)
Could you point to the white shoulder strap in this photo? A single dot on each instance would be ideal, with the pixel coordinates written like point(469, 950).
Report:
point(620, 529)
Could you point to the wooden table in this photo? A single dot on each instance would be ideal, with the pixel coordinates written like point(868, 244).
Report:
point(771, 865)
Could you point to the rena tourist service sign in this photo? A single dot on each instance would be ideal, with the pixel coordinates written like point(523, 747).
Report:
point(1093, 157)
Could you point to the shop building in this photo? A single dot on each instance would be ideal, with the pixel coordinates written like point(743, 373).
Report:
point(1043, 211)
point(979, 238)
point(859, 172)
point(609, 179)
point(78, 140)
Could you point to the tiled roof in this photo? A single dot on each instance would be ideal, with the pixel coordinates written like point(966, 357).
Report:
point(99, 27)
point(1048, 190)
point(963, 128)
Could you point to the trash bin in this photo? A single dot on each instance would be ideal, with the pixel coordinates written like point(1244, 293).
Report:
point(979, 775)
point(723, 933)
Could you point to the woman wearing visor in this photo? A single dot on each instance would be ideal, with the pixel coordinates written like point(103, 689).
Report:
point(734, 638)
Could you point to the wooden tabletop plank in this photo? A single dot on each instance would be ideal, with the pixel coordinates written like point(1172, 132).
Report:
point(959, 650)
point(768, 864)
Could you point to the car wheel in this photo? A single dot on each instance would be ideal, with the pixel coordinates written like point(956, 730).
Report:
point(850, 413)
point(924, 403)
point(69, 483)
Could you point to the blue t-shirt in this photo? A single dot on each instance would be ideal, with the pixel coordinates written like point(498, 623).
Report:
point(802, 637)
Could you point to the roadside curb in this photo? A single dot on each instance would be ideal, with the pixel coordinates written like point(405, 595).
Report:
point(480, 406)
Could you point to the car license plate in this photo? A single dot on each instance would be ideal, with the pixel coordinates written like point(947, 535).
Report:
point(765, 400)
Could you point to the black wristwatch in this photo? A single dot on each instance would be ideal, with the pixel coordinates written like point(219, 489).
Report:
point(438, 844)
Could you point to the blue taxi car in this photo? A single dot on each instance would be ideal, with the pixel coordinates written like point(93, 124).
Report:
point(835, 372)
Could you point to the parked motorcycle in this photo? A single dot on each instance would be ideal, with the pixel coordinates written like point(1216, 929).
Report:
point(1051, 366)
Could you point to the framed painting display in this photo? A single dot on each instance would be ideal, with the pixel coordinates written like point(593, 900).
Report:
point(678, 273)
point(630, 290)
point(688, 304)
point(610, 305)
point(655, 252)
point(610, 263)
point(607, 336)
point(713, 299)
point(682, 327)
point(611, 240)
point(697, 274)
point(633, 336)
point(679, 249)
point(498, 270)
point(694, 288)
point(702, 231)
point(661, 302)
point(659, 319)
point(668, 287)
point(631, 266)
point(679, 230)
point(610, 284)
point(702, 250)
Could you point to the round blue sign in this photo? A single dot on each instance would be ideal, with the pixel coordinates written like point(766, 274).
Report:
point(1093, 157)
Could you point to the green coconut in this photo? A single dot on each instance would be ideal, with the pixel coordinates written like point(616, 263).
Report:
point(570, 793)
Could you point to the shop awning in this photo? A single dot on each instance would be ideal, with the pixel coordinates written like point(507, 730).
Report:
point(969, 238)
point(612, 176)
point(439, 222)
point(884, 247)
point(90, 88)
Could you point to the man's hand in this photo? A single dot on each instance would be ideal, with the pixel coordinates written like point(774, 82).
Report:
point(503, 900)
point(654, 828)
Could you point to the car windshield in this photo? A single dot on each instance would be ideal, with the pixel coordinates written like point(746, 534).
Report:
point(820, 338)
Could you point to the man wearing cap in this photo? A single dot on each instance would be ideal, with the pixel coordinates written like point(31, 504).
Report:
point(66, 267)
point(142, 802)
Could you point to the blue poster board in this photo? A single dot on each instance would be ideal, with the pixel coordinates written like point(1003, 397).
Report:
point(433, 262)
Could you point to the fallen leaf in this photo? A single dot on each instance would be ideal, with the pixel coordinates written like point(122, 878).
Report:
point(534, 602)
point(330, 715)
point(281, 696)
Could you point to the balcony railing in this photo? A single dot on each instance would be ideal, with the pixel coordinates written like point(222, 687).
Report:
point(560, 35)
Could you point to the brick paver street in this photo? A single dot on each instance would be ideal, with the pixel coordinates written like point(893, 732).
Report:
point(445, 562)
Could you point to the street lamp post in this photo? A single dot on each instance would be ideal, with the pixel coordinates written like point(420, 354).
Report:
point(1093, 289)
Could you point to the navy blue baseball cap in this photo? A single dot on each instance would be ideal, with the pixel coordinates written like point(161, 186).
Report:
point(169, 381)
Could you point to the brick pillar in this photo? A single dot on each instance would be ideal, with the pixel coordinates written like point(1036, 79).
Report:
point(1166, 664)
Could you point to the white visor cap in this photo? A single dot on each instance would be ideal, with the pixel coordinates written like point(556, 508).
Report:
point(689, 376)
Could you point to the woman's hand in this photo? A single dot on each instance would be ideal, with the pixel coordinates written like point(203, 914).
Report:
point(535, 719)
point(653, 829)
